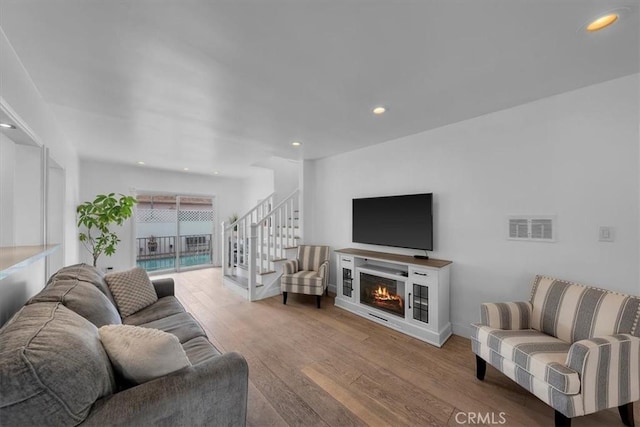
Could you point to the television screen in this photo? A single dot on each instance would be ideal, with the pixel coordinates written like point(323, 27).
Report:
point(400, 221)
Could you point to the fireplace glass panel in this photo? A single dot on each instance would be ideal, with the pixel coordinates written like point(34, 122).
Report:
point(420, 303)
point(383, 294)
point(347, 282)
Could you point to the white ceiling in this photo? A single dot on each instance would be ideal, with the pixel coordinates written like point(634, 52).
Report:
point(218, 85)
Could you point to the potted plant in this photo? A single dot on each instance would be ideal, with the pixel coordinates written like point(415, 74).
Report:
point(152, 244)
point(97, 217)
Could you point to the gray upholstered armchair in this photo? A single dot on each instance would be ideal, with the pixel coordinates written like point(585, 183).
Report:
point(307, 274)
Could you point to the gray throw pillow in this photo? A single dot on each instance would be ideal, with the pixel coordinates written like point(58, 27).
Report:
point(132, 290)
point(142, 354)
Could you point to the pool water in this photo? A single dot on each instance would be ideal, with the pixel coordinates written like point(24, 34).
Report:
point(170, 263)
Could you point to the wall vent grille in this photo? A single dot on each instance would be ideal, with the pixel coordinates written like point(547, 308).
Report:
point(532, 228)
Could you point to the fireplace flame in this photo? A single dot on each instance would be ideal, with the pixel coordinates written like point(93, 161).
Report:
point(382, 294)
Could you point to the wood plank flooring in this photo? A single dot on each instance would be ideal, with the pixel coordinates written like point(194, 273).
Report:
point(328, 367)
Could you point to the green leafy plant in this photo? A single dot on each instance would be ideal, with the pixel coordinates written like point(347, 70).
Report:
point(97, 217)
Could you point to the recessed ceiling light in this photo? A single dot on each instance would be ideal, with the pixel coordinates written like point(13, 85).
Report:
point(141, 163)
point(7, 126)
point(602, 22)
point(296, 143)
point(379, 110)
point(216, 172)
point(185, 169)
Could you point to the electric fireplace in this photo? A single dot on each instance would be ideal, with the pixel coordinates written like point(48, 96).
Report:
point(382, 293)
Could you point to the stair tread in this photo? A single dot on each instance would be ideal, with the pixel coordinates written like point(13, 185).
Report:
point(264, 273)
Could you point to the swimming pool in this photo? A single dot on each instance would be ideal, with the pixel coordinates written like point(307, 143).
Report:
point(170, 263)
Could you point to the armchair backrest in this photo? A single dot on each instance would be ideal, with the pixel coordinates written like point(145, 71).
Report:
point(311, 257)
point(572, 312)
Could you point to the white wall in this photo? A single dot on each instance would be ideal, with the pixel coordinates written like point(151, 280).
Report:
point(100, 177)
point(574, 155)
point(7, 172)
point(285, 175)
point(19, 92)
point(256, 187)
point(20, 97)
point(28, 190)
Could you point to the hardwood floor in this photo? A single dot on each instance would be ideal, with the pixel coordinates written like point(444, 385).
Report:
point(328, 367)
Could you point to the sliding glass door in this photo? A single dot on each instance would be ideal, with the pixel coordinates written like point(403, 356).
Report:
point(174, 232)
point(195, 229)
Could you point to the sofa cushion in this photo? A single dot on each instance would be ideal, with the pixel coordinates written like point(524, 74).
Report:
point(164, 307)
point(302, 278)
point(132, 290)
point(182, 325)
point(199, 350)
point(82, 298)
point(541, 355)
point(142, 354)
point(52, 367)
point(571, 405)
point(573, 312)
point(84, 273)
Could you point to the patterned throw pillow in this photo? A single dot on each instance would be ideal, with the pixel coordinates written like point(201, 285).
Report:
point(142, 354)
point(132, 290)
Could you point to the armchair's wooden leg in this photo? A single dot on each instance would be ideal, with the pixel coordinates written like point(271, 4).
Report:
point(626, 413)
point(318, 299)
point(481, 368)
point(284, 297)
point(562, 421)
point(326, 291)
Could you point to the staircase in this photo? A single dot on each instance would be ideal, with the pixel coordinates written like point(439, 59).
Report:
point(256, 246)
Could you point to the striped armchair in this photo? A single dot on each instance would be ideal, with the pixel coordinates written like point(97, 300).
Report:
point(307, 274)
point(575, 347)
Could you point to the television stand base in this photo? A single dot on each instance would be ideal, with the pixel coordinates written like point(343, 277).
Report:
point(421, 256)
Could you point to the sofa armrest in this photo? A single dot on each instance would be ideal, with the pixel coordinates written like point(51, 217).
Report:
point(164, 287)
point(609, 368)
point(290, 266)
point(213, 392)
point(506, 315)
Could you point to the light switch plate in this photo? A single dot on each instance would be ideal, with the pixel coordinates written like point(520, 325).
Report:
point(606, 234)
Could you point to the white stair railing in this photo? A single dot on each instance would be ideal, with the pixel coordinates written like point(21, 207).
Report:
point(270, 238)
point(235, 236)
point(255, 247)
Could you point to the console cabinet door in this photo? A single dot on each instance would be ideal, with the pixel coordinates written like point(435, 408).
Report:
point(422, 300)
point(346, 277)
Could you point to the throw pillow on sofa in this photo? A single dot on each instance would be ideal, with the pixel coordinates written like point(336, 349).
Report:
point(132, 290)
point(82, 298)
point(142, 354)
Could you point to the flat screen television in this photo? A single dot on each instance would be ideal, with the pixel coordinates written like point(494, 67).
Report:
point(400, 221)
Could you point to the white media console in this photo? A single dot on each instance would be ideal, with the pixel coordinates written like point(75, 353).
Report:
point(401, 292)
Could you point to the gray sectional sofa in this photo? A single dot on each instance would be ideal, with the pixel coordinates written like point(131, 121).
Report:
point(54, 370)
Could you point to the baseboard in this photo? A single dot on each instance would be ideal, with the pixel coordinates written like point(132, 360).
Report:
point(462, 329)
point(333, 288)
